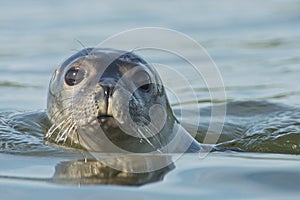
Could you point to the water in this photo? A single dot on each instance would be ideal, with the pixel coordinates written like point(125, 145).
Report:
point(256, 47)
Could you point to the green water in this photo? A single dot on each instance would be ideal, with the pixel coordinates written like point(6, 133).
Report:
point(256, 46)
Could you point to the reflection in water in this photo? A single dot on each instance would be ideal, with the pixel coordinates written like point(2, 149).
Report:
point(96, 171)
point(105, 171)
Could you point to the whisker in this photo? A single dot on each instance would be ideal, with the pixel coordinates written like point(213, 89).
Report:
point(62, 135)
point(81, 44)
point(145, 138)
point(72, 127)
point(148, 130)
point(52, 129)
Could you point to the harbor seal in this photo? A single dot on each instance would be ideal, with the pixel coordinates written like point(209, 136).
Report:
point(108, 100)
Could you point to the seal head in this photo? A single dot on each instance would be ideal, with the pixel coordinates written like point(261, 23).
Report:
point(108, 100)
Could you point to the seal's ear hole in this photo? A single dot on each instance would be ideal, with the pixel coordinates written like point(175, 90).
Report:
point(74, 76)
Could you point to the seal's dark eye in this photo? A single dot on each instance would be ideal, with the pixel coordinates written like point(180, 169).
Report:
point(145, 87)
point(142, 81)
point(74, 76)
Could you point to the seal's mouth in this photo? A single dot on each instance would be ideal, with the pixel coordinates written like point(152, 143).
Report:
point(104, 117)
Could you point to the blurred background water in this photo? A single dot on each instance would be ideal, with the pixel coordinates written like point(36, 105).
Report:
point(255, 44)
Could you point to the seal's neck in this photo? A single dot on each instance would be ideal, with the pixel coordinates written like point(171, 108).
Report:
point(181, 141)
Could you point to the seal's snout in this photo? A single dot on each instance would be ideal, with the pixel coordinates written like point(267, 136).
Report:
point(103, 98)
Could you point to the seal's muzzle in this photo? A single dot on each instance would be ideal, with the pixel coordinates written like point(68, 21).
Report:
point(103, 98)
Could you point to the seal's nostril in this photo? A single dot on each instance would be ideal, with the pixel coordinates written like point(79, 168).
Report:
point(108, 89)
point(108, 85)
